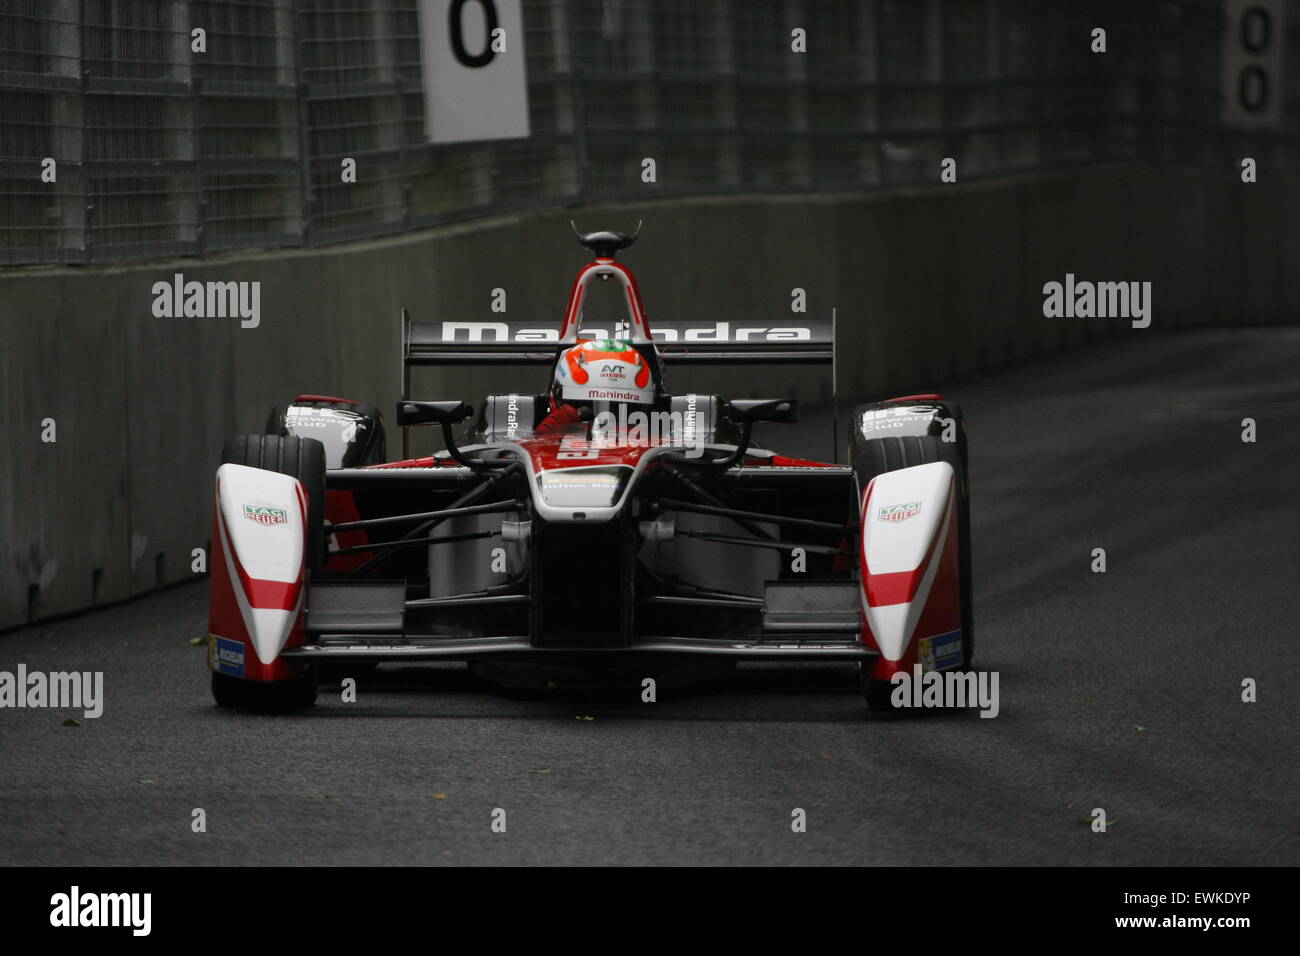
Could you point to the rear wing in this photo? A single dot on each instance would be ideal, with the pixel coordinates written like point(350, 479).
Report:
point(504, 342)
point(512, 342)
point(796, 340)
point(804, 341)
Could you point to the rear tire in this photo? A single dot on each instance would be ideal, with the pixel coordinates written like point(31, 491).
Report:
point(376, 454)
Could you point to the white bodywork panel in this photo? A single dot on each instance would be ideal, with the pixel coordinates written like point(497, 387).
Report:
point(908, 515)
point(262, 517)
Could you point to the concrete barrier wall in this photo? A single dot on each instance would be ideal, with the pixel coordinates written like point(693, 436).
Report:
point(928, 283)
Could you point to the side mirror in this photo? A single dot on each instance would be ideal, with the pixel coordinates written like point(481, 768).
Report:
point(745, 411)
point(446, 414)
point(432, 413)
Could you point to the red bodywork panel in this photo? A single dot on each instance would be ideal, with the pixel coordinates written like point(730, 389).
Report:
point(225, 620)
point(942, 612)
point(341, 508)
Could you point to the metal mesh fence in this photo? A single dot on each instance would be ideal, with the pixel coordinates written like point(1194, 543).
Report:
point(161, 151)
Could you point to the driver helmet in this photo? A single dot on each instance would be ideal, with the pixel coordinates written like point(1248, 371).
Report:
point(600, 374)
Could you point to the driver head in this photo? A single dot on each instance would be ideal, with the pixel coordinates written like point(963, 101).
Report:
point(599, 375)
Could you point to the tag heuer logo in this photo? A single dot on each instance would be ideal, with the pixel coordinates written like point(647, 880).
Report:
point(264, 515)
point(899, 512)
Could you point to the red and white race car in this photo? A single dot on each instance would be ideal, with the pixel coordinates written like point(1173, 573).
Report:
point(601, 522)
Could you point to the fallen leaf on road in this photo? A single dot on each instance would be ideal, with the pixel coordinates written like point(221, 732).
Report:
point(196, 641)
point(440, 796)
point(72, 722)
point(547, 770)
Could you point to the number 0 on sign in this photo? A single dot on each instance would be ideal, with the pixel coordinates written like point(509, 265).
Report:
point(1254, 36)
point(475, 85)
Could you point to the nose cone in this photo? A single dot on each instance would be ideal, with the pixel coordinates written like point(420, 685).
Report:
point(892, 625)
point(906, 521)
point(269, 629)
point(262, 537)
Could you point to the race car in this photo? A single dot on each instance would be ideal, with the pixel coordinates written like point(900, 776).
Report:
point(601, 522)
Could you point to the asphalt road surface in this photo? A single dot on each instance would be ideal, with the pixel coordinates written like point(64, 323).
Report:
point(1119, 690)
